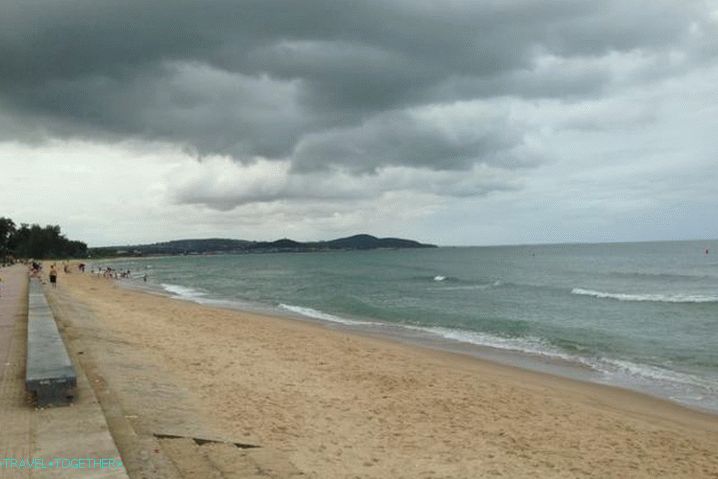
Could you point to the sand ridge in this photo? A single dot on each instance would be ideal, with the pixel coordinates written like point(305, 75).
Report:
point(344, 405)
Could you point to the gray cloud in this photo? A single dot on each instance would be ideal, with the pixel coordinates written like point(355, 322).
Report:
point(420, 140)
point(329, 84)
point(220, 184)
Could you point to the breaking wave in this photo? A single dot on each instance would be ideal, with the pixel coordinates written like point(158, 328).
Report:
point(183, 292)
point(661, 298)
point(316, 314)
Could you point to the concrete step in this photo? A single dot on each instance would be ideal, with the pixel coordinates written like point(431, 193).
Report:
point(220, 460)
point(187, 458)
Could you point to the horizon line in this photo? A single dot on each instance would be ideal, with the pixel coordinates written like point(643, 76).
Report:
point(489, 245)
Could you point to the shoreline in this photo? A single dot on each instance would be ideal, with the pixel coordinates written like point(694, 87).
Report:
point(552, 365)
point(342, 404)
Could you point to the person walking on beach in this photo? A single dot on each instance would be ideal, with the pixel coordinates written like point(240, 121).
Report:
point(53, 276)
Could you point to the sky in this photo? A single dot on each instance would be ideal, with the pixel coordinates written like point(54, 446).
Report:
point(453, 122)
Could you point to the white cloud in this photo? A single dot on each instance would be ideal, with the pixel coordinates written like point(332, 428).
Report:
point(223, 184)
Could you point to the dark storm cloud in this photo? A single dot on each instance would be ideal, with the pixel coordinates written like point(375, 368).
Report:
point(399, 138)
point(320, 83)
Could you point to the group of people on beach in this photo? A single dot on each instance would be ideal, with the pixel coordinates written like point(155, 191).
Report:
point(35, 270)
point(112, 273)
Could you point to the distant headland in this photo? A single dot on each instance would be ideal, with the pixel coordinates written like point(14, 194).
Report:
point(238, 246)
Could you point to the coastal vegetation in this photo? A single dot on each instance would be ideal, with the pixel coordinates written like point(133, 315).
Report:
point(37, 242)
point(225, 246)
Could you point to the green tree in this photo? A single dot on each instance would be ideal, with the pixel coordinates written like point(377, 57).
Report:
point(34, 241)
point(7, 231)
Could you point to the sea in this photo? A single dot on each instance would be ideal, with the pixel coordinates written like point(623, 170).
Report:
point(642, 316)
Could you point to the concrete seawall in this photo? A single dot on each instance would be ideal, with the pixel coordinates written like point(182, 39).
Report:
point(71, 442)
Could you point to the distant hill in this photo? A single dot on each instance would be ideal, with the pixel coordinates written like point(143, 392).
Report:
point(227, 246)
point(365, 241)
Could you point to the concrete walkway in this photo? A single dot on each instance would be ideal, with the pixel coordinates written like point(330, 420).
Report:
point(157, 421)
point(15, 437)
point(148, 414)
point(11, 293)
point(69, 441)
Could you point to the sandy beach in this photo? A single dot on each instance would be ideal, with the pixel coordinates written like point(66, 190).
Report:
point(340, 405)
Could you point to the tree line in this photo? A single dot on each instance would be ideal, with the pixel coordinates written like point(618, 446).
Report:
point(37, 242)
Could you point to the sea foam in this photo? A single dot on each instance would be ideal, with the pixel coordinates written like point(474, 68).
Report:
point(656, 373)
point(661, 298)
point(183, 292)
point(526, 344)
point(316, 314)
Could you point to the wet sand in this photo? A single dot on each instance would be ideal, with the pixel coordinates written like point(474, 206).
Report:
point(343, 405)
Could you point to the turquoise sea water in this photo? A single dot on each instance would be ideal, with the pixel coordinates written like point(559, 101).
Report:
point(639, 315)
